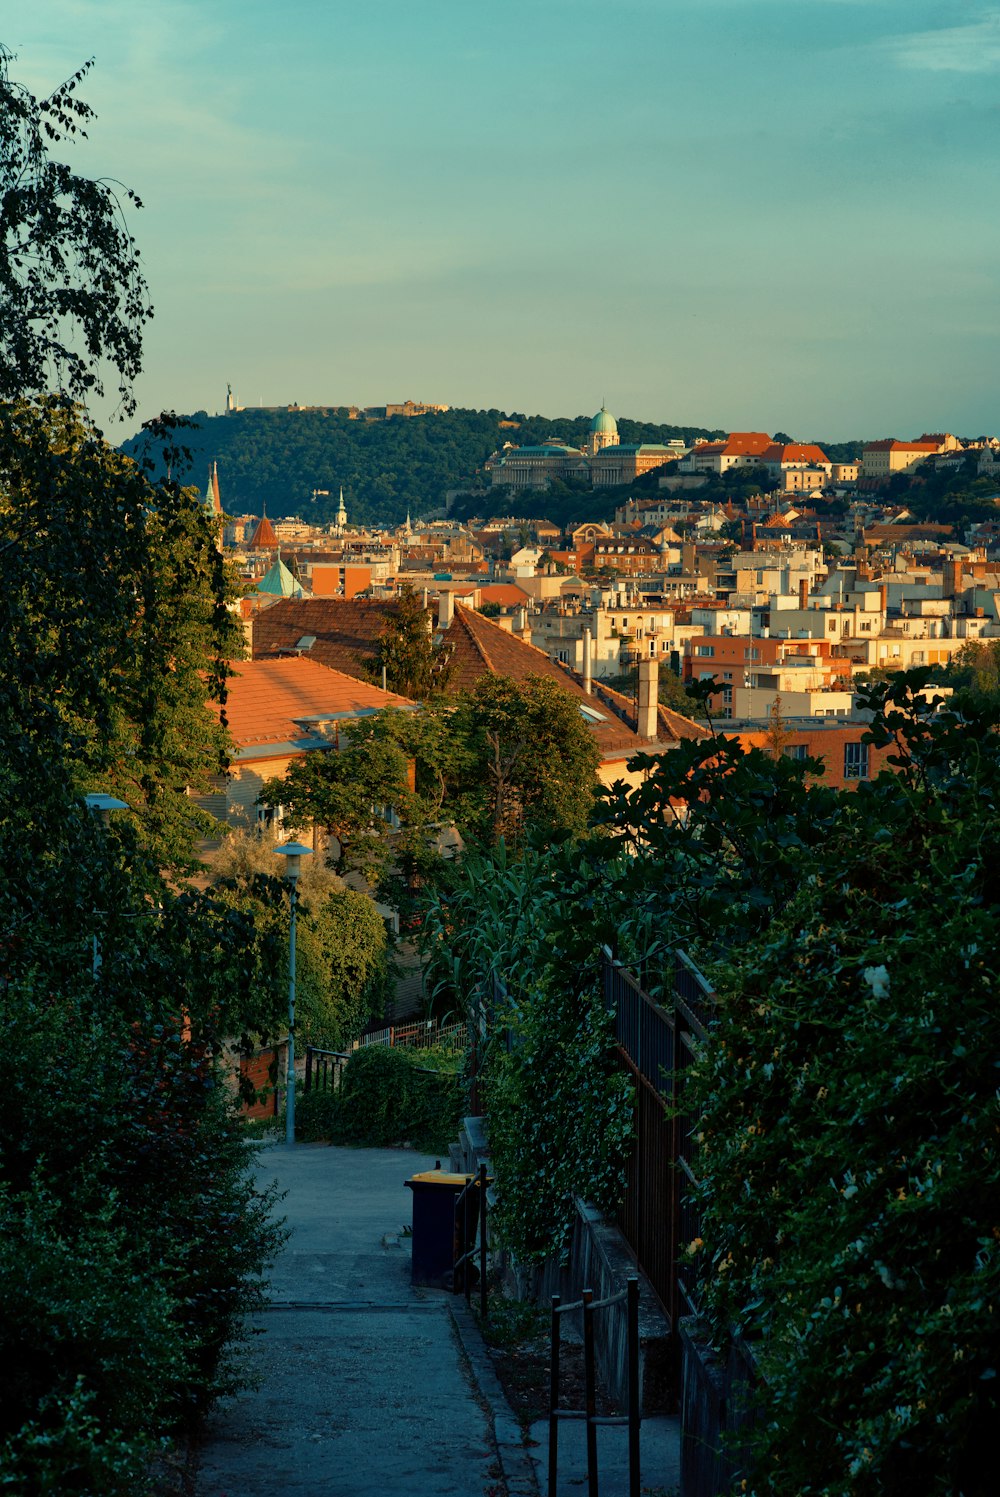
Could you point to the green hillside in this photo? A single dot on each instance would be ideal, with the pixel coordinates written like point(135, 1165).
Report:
point(276, 458)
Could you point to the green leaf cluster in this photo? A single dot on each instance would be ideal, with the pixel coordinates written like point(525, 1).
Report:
point(517, 939)
point(275, 459)
point(388, 1096)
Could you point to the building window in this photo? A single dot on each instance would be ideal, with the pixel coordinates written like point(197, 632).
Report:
point(727, 675)
point(706, 650)
point(797, 751)
point(270, 818)
point(855, 761)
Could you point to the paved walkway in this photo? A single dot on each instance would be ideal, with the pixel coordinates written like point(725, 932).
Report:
point(365, 1384)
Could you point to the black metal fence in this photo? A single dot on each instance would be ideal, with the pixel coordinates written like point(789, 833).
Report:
point(589, 1414)
point(324, 1069)
point(656, 1044)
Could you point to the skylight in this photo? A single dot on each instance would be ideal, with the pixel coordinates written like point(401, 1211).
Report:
point(592, 715)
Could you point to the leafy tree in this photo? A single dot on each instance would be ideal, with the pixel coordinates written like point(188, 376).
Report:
point(536, 759)
point(405, 649)
point(116, 1137)
point(115, 625)
point(69, 266)
point(341, 969)
point(847, 1112)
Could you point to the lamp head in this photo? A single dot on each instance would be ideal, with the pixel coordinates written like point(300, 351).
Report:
point(293, 853)
point(102, 805)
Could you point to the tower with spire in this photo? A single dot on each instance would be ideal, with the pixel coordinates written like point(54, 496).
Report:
point(213, 499)
point(340, 524)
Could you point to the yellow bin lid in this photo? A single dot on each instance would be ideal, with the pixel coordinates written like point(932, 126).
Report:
point(439, 1177)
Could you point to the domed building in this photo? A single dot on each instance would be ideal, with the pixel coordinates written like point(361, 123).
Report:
point(603, 432)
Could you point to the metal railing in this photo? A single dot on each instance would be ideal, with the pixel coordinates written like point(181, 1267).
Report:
point(465, 1205)
point(420, 1035)
point(633, 1415)
point(324, 1069)
point(656, 1044)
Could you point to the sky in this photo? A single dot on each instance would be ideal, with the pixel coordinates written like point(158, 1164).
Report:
point(749, 214)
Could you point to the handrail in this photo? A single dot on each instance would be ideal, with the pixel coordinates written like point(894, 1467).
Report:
point(633, 1415)
point(477, 1182)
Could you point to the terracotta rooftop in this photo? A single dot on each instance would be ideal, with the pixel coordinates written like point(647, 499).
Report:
point(745, 444)
point(346, 633)
point(795, 452)
point(270, 702)
point(507, 594)
point(263, 538)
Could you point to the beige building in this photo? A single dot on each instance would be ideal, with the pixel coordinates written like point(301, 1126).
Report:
point(881, 459)
point(535, 467)
point(617, 464)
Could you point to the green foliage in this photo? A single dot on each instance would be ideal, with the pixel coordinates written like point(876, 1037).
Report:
point(341, 945)
point(115, 626)
point(131, 1238)
point(847, 1115)
point(72, 288)
point(276, 459)
point(535, 759)
point(405, 650)
point(560, 1119)
point(388, 1096)
point(845, 1104)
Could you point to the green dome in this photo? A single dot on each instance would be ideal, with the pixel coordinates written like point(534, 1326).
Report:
point(280, 582)
point(604, 423)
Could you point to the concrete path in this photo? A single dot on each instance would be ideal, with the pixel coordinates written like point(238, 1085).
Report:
point(363, 1384)
point(367, 1387)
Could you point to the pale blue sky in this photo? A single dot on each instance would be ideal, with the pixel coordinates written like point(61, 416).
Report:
point(741, 213)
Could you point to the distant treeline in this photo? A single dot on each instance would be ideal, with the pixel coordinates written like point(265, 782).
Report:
point(277, 458)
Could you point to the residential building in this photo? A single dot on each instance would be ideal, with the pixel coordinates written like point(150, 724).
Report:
point(279, 710)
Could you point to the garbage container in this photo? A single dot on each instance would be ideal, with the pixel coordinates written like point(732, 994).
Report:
point(435, 1229)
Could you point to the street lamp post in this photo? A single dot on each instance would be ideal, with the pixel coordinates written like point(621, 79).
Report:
point(293, 853)
point(101, 806)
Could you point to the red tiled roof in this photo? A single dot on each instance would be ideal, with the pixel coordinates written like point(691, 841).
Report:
point(743, 444)
point(267, 698)
point(346, 633)
point(795, 452)
point(890, 444)
point(263, 538)
point(504, 593)
point(346, 630)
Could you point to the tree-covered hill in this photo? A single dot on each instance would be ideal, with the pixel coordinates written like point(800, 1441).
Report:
point(277, 458)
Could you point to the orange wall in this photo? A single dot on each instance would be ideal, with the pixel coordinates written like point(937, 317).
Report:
point(327, 581)
point(826, 744)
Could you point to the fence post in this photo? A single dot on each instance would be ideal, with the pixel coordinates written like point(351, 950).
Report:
point(554, 1399)
point(309, 1067)
point(482, 1241)
point(634, 1409)
point(590, 1386)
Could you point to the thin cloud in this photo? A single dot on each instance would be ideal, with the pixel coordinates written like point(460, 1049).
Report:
point(974, 48)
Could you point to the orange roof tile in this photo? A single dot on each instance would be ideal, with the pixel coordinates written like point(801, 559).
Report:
point(263, 538)
point(346, 631)
point(504, 593)
point(270, 701)
point(744, 444)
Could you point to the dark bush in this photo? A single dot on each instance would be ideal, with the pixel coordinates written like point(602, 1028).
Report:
point(388, 1096)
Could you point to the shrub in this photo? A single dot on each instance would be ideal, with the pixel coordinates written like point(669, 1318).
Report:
point(386, 1096)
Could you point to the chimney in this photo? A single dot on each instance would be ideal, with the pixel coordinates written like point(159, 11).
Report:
point(588, 678)
point(883, 598)
point(446, 608)
point(952, 578)
point(649, 682)
point(803, 592)
point(688, 558)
